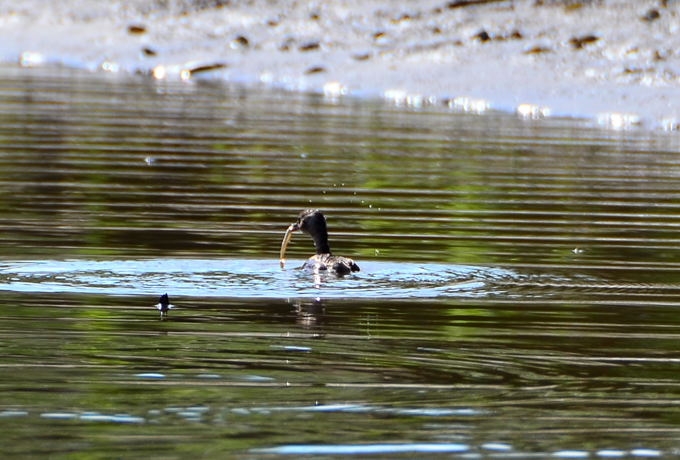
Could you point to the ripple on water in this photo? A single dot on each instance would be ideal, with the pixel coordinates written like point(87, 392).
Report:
point(364, 449)
point(250, 278)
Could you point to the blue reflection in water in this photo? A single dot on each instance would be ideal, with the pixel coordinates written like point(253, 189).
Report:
point(363, 449)
point(247, 278)
point(93, 417)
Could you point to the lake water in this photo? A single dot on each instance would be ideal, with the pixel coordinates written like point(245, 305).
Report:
point(518, 293)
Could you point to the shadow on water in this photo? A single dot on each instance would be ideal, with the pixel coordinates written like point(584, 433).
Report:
point(517, 295)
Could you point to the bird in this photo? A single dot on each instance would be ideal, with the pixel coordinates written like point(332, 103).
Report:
point(164, 305)
point(313, 222)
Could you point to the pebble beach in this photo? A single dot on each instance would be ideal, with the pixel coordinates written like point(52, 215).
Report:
point(614, 62)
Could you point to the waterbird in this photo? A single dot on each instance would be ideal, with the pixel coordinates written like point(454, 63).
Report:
point(313, 222)
point(164, 305)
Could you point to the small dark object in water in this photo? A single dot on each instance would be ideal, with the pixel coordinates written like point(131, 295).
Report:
point(164, 305)
point(313, 222)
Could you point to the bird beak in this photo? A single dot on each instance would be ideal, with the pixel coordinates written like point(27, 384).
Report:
point(284, 244)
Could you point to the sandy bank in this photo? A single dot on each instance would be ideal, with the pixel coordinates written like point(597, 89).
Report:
point(615, 61)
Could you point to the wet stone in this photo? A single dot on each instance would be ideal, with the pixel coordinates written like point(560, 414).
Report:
point(310, 46)
point(651, 15)
point(315, 69)
point(582, 41)
point(483, 36)
point(136, 29)
point(149, 52)
point(240, 42)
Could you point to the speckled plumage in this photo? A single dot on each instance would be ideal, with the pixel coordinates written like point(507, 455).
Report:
point(336, 264)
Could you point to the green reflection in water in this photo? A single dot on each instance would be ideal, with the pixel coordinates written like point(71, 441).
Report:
point(576, 353)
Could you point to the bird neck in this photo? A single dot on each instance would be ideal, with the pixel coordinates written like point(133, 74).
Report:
point(321, 244)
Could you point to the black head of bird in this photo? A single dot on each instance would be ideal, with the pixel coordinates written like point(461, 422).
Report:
point(313, 222)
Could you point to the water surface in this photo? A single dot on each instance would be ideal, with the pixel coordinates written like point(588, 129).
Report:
point(517, 294)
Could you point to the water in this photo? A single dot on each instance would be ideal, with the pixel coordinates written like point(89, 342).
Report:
point(517, 295)
point(244, 278)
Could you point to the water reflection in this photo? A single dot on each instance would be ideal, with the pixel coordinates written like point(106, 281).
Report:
point(517, 297)
point(249, 278)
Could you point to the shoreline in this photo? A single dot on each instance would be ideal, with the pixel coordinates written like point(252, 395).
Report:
point(614, 62)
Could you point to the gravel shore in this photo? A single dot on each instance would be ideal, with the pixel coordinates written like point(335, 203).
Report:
point(613, 61)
